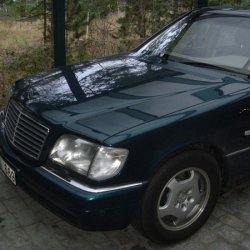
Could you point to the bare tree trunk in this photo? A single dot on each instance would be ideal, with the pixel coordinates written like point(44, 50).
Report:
point(87, 27)
point(142, 20)
point(67, 22)
point(118, 7)
point(45, 21)
point(52, 30)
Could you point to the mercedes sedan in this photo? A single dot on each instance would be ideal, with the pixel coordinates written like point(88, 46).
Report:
point(152, 136)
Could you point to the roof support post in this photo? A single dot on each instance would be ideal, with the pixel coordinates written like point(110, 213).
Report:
point(202, 3)
point(59, 32)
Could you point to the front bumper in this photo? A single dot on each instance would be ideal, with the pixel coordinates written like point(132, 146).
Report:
point(88, 208)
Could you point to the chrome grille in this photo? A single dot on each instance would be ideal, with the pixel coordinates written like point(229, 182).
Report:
point(25, 133)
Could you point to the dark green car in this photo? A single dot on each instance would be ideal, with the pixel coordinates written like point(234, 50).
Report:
point(151, 136)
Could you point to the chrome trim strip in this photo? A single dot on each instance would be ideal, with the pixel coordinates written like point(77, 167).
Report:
point(238, 152)
point(96, 190)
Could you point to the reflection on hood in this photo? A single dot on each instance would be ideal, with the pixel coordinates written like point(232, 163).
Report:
point(79, 82)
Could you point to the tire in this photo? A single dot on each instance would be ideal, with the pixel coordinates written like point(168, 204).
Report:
point(180, 197)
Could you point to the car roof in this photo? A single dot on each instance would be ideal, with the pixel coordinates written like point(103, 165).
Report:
point(227, 11)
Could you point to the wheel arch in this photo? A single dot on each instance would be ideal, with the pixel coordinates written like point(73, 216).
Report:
point(208, 148)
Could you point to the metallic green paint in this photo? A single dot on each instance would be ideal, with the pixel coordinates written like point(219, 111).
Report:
point(154, 108)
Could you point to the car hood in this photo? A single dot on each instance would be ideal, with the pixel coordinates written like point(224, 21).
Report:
point(105, 97)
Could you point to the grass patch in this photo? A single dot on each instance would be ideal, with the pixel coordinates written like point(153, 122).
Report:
point(16, 35)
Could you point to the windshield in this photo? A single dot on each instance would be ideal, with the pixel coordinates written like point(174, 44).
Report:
point(209, 39)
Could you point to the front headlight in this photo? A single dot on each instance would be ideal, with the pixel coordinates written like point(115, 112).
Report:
point(88, 159)
point(74, 153)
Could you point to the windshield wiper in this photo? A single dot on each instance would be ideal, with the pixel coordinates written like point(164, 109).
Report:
point(170, 57)
point(209, 66)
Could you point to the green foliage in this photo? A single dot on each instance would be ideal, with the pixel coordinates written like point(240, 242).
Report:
point(144, 17)
point(80, 13)
point(104, 7)
point(20, 8)
point(33, 61)
point(236, 3)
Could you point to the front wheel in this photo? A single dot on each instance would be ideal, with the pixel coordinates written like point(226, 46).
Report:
point(180, 197)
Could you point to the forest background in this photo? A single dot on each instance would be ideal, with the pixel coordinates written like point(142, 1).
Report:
point(94, 28)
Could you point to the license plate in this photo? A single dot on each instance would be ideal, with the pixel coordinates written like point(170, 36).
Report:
point(9, 172)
